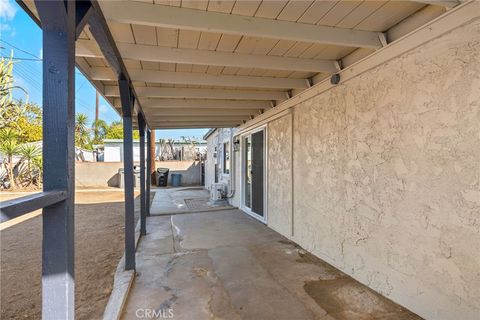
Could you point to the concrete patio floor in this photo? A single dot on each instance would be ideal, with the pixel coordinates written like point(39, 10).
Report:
point(226, 265)
point(182, 200)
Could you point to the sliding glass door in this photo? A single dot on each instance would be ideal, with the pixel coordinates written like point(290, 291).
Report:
point(254, 171)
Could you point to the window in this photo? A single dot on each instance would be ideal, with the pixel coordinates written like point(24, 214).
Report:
point(226, 158)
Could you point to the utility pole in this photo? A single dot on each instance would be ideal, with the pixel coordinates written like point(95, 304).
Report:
point(95, 133)
point(96, 105)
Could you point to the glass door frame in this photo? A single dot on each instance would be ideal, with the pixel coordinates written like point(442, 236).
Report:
point(243, 207)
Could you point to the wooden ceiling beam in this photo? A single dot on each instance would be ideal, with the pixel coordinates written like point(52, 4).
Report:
point(89, 48)
point(201, 104)
point(186, 78)
point(155, 15)
point(194, 93)
point(154, 113)
point(443, 3)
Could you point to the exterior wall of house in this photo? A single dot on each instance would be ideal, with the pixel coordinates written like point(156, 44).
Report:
point(386, 174)
point(215, 155)
point(211, 160)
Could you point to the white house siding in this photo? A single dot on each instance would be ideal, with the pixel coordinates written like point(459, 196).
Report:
point(113, 150)
point(216, 140)
point(113, 153)
point(387, 169)
point(210, 160)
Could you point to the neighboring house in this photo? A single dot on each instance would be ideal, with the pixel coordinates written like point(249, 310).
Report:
point(113, 150)
point(82, 155)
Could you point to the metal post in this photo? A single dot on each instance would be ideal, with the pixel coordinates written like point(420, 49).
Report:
point(143, 213)
point(149, 170)
point(127, 106)
point(58, 27)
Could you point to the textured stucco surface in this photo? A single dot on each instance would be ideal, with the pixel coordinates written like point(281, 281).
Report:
point(279, 175)
point(387, 169)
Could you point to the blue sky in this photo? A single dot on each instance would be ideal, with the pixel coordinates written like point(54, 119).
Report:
point(20, 34)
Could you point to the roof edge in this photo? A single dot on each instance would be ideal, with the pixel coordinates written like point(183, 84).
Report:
point(209, 133)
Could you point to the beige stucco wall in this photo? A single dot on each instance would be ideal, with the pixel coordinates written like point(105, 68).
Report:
point(279, 174)
point(387, 177)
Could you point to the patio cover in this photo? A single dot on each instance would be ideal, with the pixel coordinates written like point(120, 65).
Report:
point(196, 64)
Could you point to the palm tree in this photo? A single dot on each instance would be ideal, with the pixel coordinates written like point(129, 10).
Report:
point(100, 129)
point(9, 147)
point(10, 111)
point(29, 153)
point(82, 134)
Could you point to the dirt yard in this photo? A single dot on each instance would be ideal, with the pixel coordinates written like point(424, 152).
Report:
point(99, 231)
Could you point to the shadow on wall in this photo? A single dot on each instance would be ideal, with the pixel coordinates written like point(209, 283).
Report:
point(114, 180)
point(103, 174)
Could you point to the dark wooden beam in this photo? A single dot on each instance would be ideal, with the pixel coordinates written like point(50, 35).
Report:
point(82, 15)
point(17, 207)
point(143, 199)
point(101, 32)
point(59, 32)
point(127, 101)
point(149, 170)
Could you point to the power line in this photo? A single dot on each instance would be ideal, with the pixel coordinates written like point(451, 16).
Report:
point(29, 74)
point(83, 83)
point(24, 51)
point(29, 79)
point(21, 59)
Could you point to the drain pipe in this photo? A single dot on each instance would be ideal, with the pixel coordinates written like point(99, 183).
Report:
point(233, 169)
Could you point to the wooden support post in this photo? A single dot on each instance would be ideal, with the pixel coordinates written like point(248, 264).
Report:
point(143, 199)
point(151, 146)
point(127, 106)
point(58, 277)
point(149, 171)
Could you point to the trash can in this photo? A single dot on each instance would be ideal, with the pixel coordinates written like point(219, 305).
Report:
point(176, 179)
point(121, 177)
point(162, 177)
point(136, 176)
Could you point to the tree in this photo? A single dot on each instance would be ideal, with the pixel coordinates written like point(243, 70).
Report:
point(100, 129)
point(9, 147)
point(32, 155)
point(82, 134)
point(10, 111)
point(30, 123)
point(20, 122)
point(23, 117)
point(115, 131)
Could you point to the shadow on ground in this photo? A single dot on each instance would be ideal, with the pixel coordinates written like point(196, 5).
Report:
point(99, 234)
